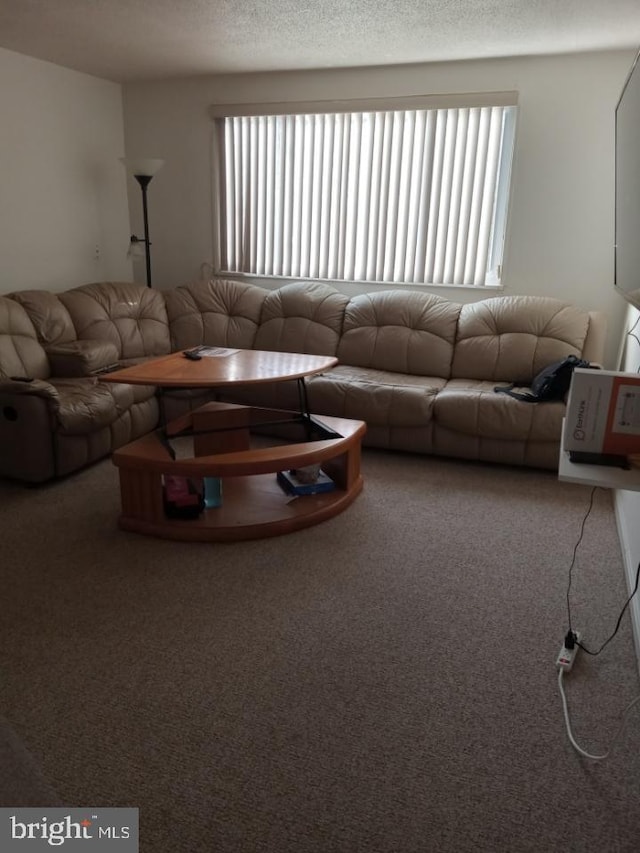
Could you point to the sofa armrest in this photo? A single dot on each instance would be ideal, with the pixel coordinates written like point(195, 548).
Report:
point(25, 386)
point(28, 416)
point(82, 358)
point(15, 389)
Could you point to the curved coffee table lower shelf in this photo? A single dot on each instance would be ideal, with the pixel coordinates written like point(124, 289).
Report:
point(253, 503)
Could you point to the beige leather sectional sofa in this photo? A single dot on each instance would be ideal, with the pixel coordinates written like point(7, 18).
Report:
point(419, 369)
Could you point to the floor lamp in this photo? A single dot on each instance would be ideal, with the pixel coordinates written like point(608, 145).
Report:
point(143, 170)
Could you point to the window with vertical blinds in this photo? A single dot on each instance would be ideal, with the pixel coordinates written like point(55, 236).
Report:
point(415, 196)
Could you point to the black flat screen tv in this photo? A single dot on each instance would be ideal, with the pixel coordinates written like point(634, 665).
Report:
point(627, 195)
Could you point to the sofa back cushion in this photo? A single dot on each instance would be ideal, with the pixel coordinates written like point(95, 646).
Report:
point(512, 338)
point(21, 354)
point(302, 317)
point(218, 312)
point(131, 316)
point(48, 314)
point(402, 331)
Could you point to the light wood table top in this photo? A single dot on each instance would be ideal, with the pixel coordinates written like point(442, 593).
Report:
point(242, 366)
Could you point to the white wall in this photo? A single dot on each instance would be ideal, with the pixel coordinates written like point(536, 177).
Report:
point(64, 219)
point(560, 238)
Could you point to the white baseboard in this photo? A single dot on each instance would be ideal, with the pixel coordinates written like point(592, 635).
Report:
point(626, 508)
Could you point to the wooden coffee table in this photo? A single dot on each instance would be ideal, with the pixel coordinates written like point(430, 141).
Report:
point(253, 505)
point(232, 367)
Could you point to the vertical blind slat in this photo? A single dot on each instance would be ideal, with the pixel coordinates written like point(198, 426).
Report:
point(270, 199)
point(413, 201)
point(287, 229)
point(476, 203)
point(296, 188)
point(244, 224)
point(278, 196)
point(455, 195)
point(225, 181)
point(437, 165)
point(343, 193)
point(405, 145)
point(422, 224)
point(364, 200)
point(352, 202)
point(393, 198)
point(336, 180)
point(374, 197)
point(387, 133)
point(466, 196)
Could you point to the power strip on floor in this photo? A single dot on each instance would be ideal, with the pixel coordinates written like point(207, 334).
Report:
point(567, 656)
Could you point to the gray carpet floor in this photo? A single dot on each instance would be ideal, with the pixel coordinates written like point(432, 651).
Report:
point(383, 682)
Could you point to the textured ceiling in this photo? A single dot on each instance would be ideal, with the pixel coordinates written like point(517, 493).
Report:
point(126, 40)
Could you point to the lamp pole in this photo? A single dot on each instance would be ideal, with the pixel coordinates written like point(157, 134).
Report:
point(143, 169)
point(144, 180)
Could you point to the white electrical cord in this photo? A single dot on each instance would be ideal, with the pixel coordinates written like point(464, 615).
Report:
point(568, 724)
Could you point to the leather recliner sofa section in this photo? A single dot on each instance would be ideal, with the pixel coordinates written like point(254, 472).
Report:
point(55, 414)
point(419, 369)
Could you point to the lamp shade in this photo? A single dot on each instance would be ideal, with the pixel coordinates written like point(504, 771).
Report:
point(142, 165)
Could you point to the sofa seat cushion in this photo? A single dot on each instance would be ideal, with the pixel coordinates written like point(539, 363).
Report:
point(375, 396)
point(136, 393)
point(472, 407)
point(86, 405)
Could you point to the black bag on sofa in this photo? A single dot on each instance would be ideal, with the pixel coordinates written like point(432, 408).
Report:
point(552, 383)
